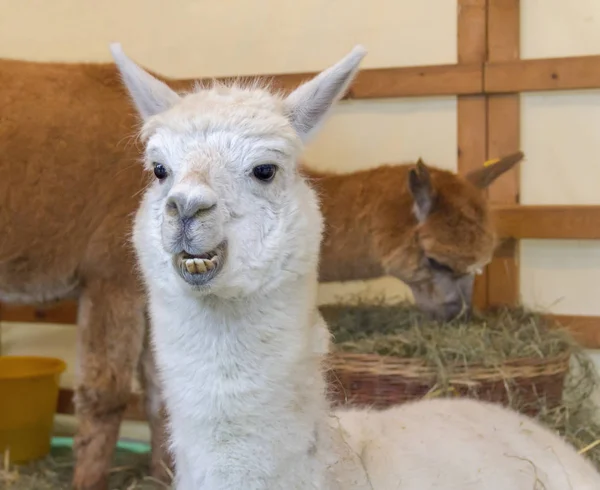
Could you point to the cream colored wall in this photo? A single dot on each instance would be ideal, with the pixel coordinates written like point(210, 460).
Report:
point(187, 38)
point(560, 137)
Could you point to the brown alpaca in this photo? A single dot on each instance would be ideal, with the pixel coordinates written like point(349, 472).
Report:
point(428, 227)
point(66, 135)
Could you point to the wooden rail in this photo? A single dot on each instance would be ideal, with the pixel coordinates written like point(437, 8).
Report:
point(467, 77)
point(581, 72)
point(458, 79)
point(548, 222)
point(585, 329)
point(64, 312)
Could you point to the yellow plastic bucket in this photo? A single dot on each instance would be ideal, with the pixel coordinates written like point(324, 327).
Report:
point(28, 396)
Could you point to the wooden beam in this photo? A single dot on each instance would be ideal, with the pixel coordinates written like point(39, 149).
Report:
point(457, 79)
point(581, 72)
point(548, 222)
point(585, 329)
point(472, 151)
point(410, 81)
point(470, 76)
point(503, 137)
point(471, 109)
point(64, 312)
point(502, 73)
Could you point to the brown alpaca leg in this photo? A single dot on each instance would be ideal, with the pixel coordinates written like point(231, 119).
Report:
point(111, 326)
point(161, 465)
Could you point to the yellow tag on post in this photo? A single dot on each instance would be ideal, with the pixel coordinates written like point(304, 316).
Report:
point(491, 162)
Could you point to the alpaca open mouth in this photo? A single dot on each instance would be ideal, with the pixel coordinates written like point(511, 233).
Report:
point(199, 269)
point(199, 264)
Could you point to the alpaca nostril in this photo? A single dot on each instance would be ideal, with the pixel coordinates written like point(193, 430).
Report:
point(206, 206)
point(176, 205)
point(172, 208)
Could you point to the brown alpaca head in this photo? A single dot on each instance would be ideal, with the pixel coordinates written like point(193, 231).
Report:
point(454, 234)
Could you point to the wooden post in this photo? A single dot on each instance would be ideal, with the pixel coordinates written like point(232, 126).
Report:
point(471, 109)
point(503, 137)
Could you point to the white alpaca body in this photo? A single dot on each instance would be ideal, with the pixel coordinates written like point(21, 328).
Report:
point(462, 444)
point(227, 241)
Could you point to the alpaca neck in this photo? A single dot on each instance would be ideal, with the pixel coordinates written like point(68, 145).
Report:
point(243, 383)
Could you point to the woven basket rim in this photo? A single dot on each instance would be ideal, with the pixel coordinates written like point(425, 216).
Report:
point(374, 364)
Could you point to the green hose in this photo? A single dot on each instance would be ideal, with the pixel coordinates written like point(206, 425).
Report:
point(125, 444)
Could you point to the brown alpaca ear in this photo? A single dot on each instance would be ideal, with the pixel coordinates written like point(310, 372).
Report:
point(419, 185)
point(483, 177)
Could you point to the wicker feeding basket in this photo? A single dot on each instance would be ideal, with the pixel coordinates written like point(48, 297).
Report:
point(382, 381)
point(379, 381)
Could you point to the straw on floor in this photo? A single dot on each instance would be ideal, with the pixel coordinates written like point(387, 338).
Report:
point(129, 472)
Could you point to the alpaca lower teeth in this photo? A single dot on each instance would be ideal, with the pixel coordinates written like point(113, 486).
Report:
point(190, 266)
point(199, 266)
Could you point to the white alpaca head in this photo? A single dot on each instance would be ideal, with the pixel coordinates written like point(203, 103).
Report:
point(228, 212)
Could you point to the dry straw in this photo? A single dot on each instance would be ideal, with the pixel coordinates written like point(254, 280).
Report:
point(129, 472)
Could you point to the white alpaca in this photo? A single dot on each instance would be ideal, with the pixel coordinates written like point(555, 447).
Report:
point(228, 239)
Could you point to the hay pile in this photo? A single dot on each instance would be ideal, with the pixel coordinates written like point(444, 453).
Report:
point(374, 327)
point(129, 472)
point(401, 330)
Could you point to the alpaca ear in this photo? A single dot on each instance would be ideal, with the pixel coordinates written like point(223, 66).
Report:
point(483, 177)
point(310, 103)
point(419, 185)
point(150, 95)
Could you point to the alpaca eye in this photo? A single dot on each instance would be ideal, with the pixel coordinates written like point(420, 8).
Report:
point(264, 172)
point(160, 171)
point(438, 266)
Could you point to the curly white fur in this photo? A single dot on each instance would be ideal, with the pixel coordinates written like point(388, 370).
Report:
point(240, 353)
